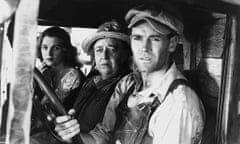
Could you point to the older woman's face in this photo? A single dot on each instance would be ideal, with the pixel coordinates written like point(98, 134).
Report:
point(108, 55)
point(51, 49)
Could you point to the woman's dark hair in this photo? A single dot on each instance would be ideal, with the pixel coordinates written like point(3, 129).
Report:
point(69, 54)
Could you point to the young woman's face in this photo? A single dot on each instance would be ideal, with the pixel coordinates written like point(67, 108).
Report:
point(108, 55)
point(52, 50)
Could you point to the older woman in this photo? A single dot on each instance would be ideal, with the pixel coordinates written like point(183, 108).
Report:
point(110, 52)
point(59, 64)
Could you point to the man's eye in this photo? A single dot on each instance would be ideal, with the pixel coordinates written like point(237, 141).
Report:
point(136, 37)
point(157, 39)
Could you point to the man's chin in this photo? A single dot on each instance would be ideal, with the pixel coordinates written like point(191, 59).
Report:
point(146, 69)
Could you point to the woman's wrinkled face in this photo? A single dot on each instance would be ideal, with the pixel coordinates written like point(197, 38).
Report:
point(108, 54)
point(52, 50)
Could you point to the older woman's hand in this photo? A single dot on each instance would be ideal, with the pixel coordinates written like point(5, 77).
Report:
point(67, 127)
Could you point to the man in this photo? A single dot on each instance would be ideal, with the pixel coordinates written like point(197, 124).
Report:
point(178, 118)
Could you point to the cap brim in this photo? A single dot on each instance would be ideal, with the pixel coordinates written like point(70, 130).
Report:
point(158, 27)
point(87, 43)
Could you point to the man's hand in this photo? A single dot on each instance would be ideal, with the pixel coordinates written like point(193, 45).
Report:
point(67, 127)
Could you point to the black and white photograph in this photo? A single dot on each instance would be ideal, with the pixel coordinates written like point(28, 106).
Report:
point(119, 71)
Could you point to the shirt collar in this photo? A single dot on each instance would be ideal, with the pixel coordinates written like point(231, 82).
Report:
point(161, 85)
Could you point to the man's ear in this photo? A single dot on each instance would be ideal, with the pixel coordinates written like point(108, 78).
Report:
point(173, 41)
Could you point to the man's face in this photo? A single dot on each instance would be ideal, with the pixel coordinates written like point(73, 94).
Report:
point(151, 50)
point(108, 55)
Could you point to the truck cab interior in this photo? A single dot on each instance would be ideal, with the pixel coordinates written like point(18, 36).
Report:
point(208, 53)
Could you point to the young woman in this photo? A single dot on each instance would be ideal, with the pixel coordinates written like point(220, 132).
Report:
point(59, 64)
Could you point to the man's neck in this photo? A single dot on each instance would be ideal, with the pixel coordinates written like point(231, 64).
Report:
point(150, 78)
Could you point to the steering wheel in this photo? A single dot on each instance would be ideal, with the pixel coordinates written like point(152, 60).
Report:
point(53, 104)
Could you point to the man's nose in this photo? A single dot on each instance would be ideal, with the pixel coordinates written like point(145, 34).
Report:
point(146, 45)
